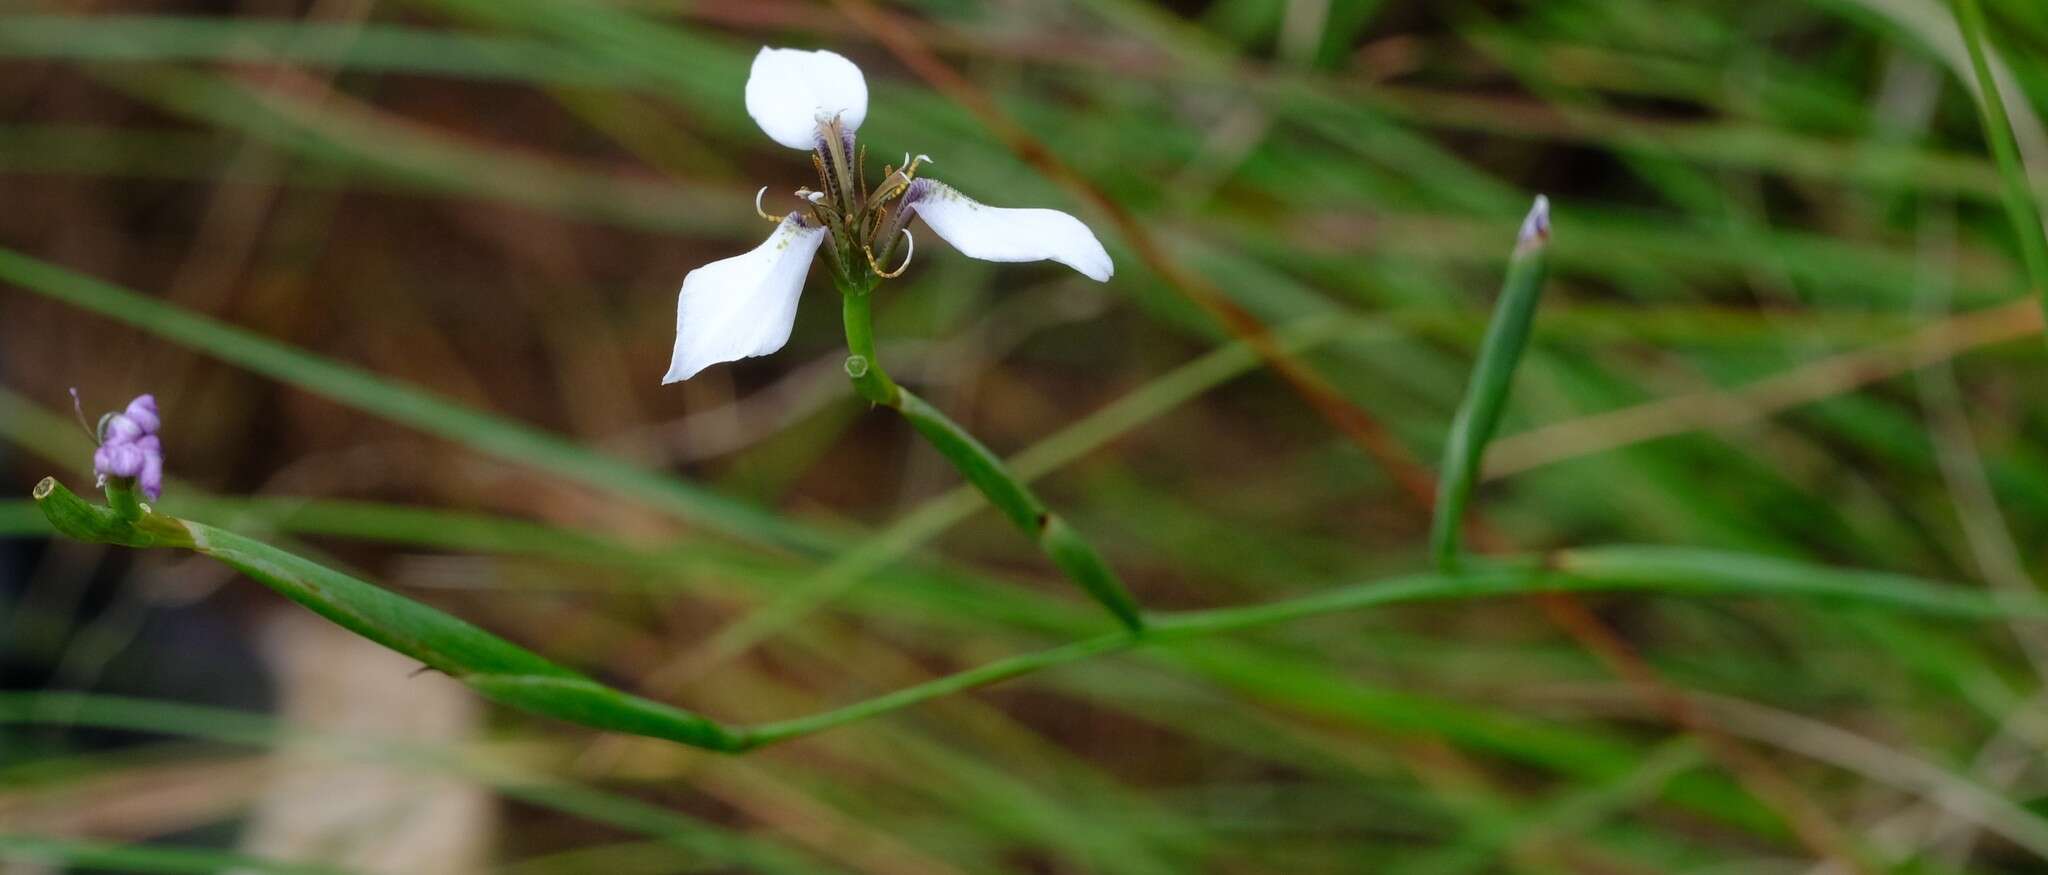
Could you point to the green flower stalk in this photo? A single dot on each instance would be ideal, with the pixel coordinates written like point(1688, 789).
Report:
point(518, 678)
point(745, 305)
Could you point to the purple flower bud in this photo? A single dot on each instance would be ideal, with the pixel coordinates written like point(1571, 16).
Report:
point(119, 429)
point(130, 447)
point(118, 460)
point(143, 411)
point(151, 480)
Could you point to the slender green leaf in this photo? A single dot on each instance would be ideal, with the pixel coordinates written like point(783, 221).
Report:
point(500, 670)
point(1492, 376)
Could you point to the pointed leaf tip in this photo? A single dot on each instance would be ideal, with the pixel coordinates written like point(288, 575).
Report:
point(1536, 226)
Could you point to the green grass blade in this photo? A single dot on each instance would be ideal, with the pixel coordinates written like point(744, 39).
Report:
point(1492, 377)
point(353, 45)
point(1698, 571)
point(2020, 205)
point(364, 140)
point(106, 856)
point(22, 518)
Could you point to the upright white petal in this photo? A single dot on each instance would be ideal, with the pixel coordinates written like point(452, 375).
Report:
point(1000, 234)
point(791, 90)
point(744, 305)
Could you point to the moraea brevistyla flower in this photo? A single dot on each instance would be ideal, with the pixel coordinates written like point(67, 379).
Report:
point(130, 448)
point(745, 305)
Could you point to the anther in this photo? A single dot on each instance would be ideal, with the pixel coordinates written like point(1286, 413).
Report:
point(761, 212)
point(909, 250)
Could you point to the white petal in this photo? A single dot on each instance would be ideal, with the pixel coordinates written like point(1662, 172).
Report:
point(791, 90)
point(1000, 234)
point(744, 305)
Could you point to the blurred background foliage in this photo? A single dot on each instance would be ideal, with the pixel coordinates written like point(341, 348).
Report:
point(1787, 316)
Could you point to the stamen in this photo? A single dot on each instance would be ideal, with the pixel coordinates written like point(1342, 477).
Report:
point(860, 171)
point(818, 161)
point(761, 212)
point(909, 250)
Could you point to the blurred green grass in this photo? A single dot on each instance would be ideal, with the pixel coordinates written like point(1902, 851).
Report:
point(495, 201)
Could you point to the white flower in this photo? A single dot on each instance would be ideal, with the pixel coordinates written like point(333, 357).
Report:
point(745, 305)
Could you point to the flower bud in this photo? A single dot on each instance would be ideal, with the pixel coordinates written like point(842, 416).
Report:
point(119, 429)
point(130, 448)
point(143, 411)
point(118, 460)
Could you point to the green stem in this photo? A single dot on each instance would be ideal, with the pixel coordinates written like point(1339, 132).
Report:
point(1606, 569)
point(100, 856)
point(518, 678)
point(1492, 375)
point(765, 734)
point(2020, 205)
point(862, 366)
point(982, 467)
point(121, 498)
point(76, 518)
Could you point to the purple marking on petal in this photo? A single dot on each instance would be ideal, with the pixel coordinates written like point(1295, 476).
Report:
point(915, 192)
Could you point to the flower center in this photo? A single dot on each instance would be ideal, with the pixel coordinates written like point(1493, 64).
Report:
point(865, 224)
